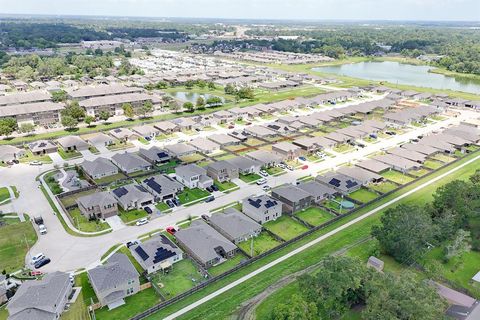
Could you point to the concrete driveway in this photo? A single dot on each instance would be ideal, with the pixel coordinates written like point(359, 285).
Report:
point(115, 223)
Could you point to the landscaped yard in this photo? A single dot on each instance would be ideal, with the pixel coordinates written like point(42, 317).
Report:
point(334, 205)
point(443, 158)
point(253, 142)
point(227, 265)
point(190, 195)
point(227, 185)
point(83, 224)
point(248, 178)
point(419, 172)
point(161, 137)
point(29, 157)
point(52, 182)
point(314, 216)
point(363, 195)
point(110, 179)
point(383, 187)
point(68, 154)
point(262, 243)
point(285, 227)
point(342, 148)
point(119, 145)
point(4, 194)
point(274, 171)
point(15, 239)
point(72, 199)
point(162, 206)
point(431, 164)
point(192, 158)
point(184, 275)
point(396, 176)
point(132, 215)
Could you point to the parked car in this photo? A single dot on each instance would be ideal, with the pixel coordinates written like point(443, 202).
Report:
point(261, 181)
point(209, 189)
point(132, 243)
point(361, 145)
point(266, 188)
point(231, 127)
point(210, 199)
point(42, 229)
point(42, 262)
point(305, 167)
point(290, 168)
point(148, 210)
point(170, 203)
point(176, 202)
point(171, 230)
point(142, 221)
point(205, 217)
point(38, 220)
point(281, 165)
point(37, 257)
point(264, 173)
point(148, 138)
point(215, 188)
point(36, 163)
point(36, 273)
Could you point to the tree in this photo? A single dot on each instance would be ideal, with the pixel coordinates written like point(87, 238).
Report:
point(200, 104)
point(336, 287)
point(27, 127)
point(174, 106)
point(161, 85)
point(69, 122)
point(405, 232)
point(7, 126)
point(459, 245)
point(104, 115)
point(295, 309)
point(230, 89)
point(128, 110)
point(59, 96)
point(246, 93)
point(146, 108)
point(211, 86)
point(402, 297)
point(189, 84)
point(74, 110)
point(189, 106)
point(89, 119)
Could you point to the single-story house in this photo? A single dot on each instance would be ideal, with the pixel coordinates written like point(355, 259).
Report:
point(70, 143)
point(362, 175)
point(205, 244)
point(100, 139)
point(262, 208)
point(42, 147)
point(98, 205)
point(130, 162)
point(408, 154)
point(204, 145)
point(180, 149)
point(154, 155)
point(260, 131)
point(373, 166)
point(99, 168)
point(132, 196)
point(340, 182)
point(419, 148)
point(114, 281)
point(9, 153)
point(312, 144)
point(397, 163)
point(123, 134)
point(317, 191)
point(234, 225)
point(223, 139)
point(166, 127)
point(156, 253)
point(146, 131)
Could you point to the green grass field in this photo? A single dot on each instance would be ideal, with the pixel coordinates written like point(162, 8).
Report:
point(184, 275)
point(4, 194)
point(226, 185)
point(110, 179)
point(132, 215)
point(227, 265)
point(363, 195)
point(134, 304)
point(343, 148)
point(262, 243)
point(443, 158)
point(285, 227)
point(15, 239)
point(248, 178)
point(274, 171)
point(67, 155)
point(83, 224)
point(314, 216)
point(29, 157)
point(383, 187)
point(396, 176)
point(191, 195)
point(419, 172)
point(431, 164)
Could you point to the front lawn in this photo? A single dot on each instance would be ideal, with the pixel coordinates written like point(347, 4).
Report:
point(119, 145)
point(314, 216)
point(4, 194)
point(363, 195)
point(383, 187)
point(285, 227)
point(162, 206)
point(396, 176)
point(183, 276)
point(83, 224)
point(13, 247)
point(262, 243)
point(52, 182)
point(227, 185)
point(275, 171)
point(249, 178)
point(66, 155)
point(227, 265)
point(134, 304)
point(29, 157)
point(432, 164)
point(191, 195)
point(132, 215)
point(342, 148)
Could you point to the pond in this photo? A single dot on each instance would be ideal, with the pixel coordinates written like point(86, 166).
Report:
point(399, 73)
point(192, 96)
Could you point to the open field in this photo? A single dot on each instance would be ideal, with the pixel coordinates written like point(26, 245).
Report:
point(261, 244)
point(190, 195)
point(132, 215)
point(248, 178)
point(15, 239)
point(83, 224)
point(314, 216)
point(396, 176)
point(285, 227)
point(184, 275)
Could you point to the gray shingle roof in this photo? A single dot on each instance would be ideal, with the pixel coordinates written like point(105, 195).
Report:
point(98, 166)
point(234, 223)
point(118, 270)
point(154, 249)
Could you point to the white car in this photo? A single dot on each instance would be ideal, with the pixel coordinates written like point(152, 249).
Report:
point(142, 221)
point(36, 163)
point(42, 229)
point(266, 188)
point(36, 258)
point(264, 173)
point(261, 181)
point(290, 168)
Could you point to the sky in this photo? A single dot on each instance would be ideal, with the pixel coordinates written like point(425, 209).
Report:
point(451, 10)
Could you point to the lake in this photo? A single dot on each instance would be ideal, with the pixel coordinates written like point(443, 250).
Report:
point(192, 96)
point(400, 73)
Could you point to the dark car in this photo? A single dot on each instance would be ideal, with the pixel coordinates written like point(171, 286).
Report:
point(170, 203)
point(209, 189)
point(41, 263)
point(215, 188)
point(176, 202)
point(205, 217)
point(148, 210)
point(210, 199)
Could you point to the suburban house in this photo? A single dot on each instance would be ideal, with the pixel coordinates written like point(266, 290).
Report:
point(204, 145)
point(397, 163)
point(154, 155)
point(9, 153)
point(293, 198)
point(42, 147)
point(114, 281)
point(245, 165)
point(362, 175)
point(260, 131)
point(222, 171)
point(72, 143)
point(419, 148)
point(156, 253)
point(340, 182)
point(145, 131)
point(41, 299)
point(130, 162)
point(166, 127)
point(287, 150)
point(180, 149)
point(123, 134)
point(262, 208)
point(223, 139)
point(318, 191)
point(408, 154)
point(132, 196)
point(98, 205)
point(312, 144)
point(100, 139)
point(99, 168)
point(223, 116)
point(373, 166)
point(205, 244)
point(193, 176)
point(266, 158)
point(234, 225)
point(162, 186)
